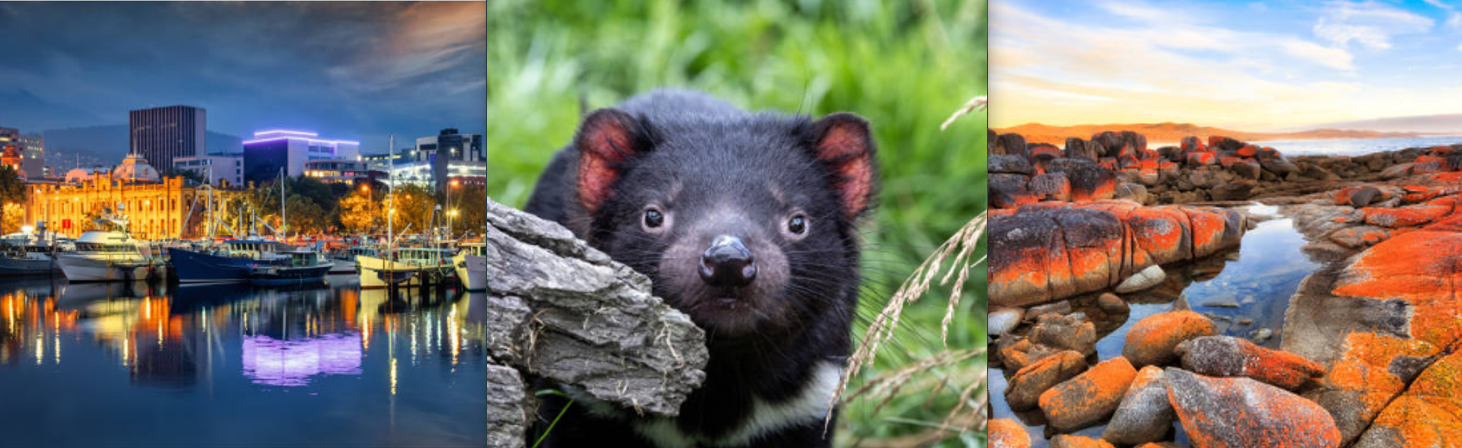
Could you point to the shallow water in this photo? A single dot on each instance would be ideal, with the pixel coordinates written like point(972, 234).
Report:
point(225, 365)
point(1255, 282)
point(1354, 146)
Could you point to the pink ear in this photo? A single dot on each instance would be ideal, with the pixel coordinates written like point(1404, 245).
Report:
point(845, 145)
point(606, 139)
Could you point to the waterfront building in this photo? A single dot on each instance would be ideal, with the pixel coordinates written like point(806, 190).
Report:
point(277, 149)
point(156, 207)
point(162, 134)
point(219, 169)
point(337, 171)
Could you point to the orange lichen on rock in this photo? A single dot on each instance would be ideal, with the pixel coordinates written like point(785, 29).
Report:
point(1007, 433)
point(1365, 367)
point(1454, 177)
point(1228, 356)
point(1088, 398)
point(1420, 267)
point(1027, 384)
point(1429, 413)
point(1405, 216)
point(1153, 339)
point(1240, 412)
point(1070, 441)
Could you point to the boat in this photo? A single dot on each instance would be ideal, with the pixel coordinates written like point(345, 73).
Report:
point(25, 254)
point(253, 260)
point(407, 266)
point(471, 265)
point(105, 255)
point(344, 259)
point(300, 267)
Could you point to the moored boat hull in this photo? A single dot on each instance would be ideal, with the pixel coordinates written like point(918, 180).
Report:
point(80, 268)
point(471, 271)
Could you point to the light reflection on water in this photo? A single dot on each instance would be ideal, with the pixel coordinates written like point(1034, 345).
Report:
point(216, 364)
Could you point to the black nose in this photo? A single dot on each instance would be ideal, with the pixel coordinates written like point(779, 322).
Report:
point(727, 263)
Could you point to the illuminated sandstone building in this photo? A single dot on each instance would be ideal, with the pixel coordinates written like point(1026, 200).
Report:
point(156, 207)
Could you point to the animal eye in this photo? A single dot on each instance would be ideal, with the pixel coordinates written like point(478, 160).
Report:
point(653, 218)
point(797, 225)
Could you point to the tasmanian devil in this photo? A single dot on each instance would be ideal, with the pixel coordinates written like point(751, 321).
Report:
point(745, 222)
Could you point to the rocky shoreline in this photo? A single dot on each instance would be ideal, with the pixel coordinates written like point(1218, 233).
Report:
point(1369, 353)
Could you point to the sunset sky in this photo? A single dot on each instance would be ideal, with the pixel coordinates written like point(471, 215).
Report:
point(1240, 65)
point(355, 70)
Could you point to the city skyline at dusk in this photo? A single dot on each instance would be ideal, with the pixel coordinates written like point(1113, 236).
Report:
point(358, 71)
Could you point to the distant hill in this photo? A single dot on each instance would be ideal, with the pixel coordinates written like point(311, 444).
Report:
point(108, 145)
point(1174, 132)
point(1443, 124)
point(22, 110)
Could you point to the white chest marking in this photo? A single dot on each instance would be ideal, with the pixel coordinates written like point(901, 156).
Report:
point(809, 406)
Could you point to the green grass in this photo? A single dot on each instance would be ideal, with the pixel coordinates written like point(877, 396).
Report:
point(903, 65)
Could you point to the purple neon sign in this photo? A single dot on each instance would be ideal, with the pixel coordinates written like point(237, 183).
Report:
point(311, 140)
point(285, 132)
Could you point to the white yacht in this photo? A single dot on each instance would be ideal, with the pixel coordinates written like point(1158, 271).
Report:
point(103, 255)
point(471, 266)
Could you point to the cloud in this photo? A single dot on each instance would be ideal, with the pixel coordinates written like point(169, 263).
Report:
point(1369, 24)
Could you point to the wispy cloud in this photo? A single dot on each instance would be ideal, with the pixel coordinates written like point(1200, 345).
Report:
point(1368, 23)
point(1074, 63)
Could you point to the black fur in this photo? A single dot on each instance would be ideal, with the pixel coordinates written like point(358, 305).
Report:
point(729, 172)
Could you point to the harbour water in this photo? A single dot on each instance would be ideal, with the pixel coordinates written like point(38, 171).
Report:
point(128, 364)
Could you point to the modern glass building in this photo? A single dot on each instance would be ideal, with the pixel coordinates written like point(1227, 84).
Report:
point(162, 134)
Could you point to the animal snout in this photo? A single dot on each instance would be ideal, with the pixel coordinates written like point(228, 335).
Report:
point(727, 263)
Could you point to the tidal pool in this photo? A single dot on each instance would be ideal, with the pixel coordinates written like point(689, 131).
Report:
point(226, 365)
point(1244, 291)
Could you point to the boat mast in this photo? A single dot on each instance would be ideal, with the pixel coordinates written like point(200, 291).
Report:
point(283, 225)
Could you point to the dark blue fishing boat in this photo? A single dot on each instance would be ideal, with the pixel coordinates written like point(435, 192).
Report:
point(234, 261)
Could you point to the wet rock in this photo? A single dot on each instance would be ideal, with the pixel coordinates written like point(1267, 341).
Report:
point(1153, 340)
point(1027, 384)
point(1010, 144)
point(1063, 307)
point(1145, 414)
point(1070, 441)
point(595, 326)
point(1064, 332)
point(1235, 191)
point(1007, 433)
point(1160, 445)
point(1412, 216)
point(1261, 335)
point(1017, 352)
point(1050, 187)
point(1240, 412)
point(1247, 169)
point(1144, 279)
point(1088, 398)
point(1227, 356)
point(1132, 192)
point(1049, 251)
point(1007, 164)
point(1003, 320)
point(1279, 167)
point(1427, 414)
point(1359, 237)
point(1010, 190)
point(1419, 268)
point(1221, 304)
point(1089, 181)
point(1076, 147)
point(1357, 196)
point(1112, 304)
